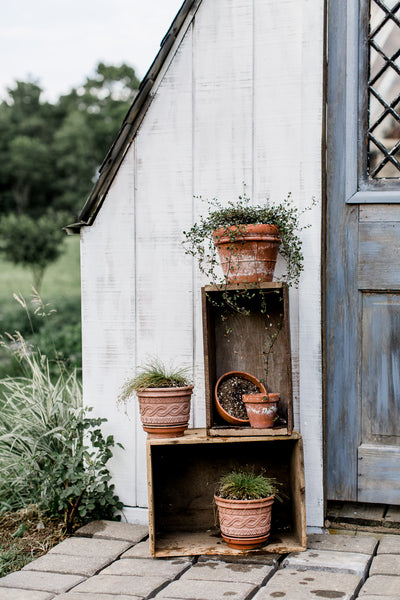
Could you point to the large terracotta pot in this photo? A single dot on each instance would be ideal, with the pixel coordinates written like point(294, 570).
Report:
point(165, 411)
point(248, 253)
point(262, 409)
point(220, 409)
point(245, 524)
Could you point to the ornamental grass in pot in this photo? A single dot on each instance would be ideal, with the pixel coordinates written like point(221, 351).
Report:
point(247, 238)
point(164, 394)
point(244, 500)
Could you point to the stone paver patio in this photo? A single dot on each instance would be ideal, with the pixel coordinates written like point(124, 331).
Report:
point(111, 561)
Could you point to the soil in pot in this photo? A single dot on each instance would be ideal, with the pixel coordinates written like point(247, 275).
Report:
point(230, 393)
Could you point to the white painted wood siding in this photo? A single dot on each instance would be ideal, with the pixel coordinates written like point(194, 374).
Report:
point(238, 102)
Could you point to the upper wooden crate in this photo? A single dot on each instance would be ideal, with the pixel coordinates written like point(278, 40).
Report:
point(238, 342)
point(182, 475)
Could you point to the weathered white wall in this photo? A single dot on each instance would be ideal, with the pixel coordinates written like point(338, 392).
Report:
point(240, 101)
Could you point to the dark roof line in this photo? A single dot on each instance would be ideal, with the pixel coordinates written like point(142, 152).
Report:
point(131, 122)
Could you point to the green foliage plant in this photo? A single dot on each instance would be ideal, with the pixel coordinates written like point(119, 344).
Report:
point(199, 241)
point(52, 453)
point(155, 374)
point(245, 484)
point(34, 243)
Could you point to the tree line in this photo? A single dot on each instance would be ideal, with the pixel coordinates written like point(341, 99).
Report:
point(49, 157)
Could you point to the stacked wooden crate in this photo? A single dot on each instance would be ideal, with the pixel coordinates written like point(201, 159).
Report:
point(182, 472)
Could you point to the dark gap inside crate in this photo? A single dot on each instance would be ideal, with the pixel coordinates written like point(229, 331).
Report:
point(243, 342)
point(185, 476)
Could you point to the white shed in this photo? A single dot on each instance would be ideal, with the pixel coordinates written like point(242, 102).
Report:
point(235, 96)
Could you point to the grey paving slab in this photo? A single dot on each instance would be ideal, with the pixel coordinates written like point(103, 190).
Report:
point(263, 559)
point(90, 547)
point(392, 517)
point(205, 590)
point(73, 596)
point(114, 530)
point(213, 570)
point(290, 584)
point(144, 567)
point(16, 594)
point(44, 582)
point(130, 585)
point(369, 597)
point(140, 550)
point(386, 564)
point(342, 543)
point(64, 563)
point(332, 561)
point(383, 585)
point(389, 544)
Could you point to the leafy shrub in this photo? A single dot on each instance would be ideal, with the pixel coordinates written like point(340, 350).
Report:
point(52, 454)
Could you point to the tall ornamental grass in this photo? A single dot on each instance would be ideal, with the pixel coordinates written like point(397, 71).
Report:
point(52, 454)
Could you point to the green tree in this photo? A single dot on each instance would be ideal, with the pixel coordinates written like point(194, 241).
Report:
point(32, 243)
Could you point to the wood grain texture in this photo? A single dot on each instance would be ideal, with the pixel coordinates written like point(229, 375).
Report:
point(379, 255)
point(379, 474)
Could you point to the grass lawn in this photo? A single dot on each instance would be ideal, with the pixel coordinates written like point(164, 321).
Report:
point(61, 278)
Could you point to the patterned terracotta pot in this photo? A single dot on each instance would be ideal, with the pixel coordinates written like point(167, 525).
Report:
point(262, 409)
point(251, 255)
point(165, 411)
point(245, 524)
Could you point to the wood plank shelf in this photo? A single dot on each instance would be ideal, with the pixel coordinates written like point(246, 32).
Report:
point(239, 342)
point(182, 474)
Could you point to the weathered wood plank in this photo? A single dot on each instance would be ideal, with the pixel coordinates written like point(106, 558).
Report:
point(381, 368)
point(380, 212)
point(379, 474)
point(379, 256)
point(164, 324)
point(108, 322)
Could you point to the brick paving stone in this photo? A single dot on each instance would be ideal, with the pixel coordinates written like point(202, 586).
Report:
point(214, 570)
point(44, 582)
point(324, 560)
point(64, 563)
point(114, 530)
point(389, 544)
point(130, 585)
point(205, 590)
point(140, 550)
point(90, 547)
point(343, 543)
point(290, 584)
point(385, 564)
point(88, 596)
point(15, 594)
point(383, 585)
point(263, 559)
point(144, 567)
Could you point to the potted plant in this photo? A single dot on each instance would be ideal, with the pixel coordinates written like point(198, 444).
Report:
point(247, 238)
point(228, 394)
point(164, 398)
point(262, 409)
point(244, 501)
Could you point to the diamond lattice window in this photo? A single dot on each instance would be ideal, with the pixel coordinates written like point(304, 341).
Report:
point(384, 90)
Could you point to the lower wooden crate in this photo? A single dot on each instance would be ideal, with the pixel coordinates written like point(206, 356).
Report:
point(182, 474)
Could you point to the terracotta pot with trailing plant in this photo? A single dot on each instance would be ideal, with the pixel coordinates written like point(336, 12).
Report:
point(262, 409)
point(244, 501)
point(247, 238)
point(164, 395)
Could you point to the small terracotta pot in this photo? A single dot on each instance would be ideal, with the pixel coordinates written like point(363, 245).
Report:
point(221, 411)
point(262, 409)
point(165, 411)
point(251, 256)
point(245, 524)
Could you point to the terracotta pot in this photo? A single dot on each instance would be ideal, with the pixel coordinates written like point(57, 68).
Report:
point(262, 409)
point(221, 411)
point(165, 411)
point(245, 524)
point(251, 256)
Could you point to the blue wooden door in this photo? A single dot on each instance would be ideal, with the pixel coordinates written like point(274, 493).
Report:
point(362, 275)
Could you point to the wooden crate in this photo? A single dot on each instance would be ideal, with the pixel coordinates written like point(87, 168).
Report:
point(182, 474)
point(236, 342)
